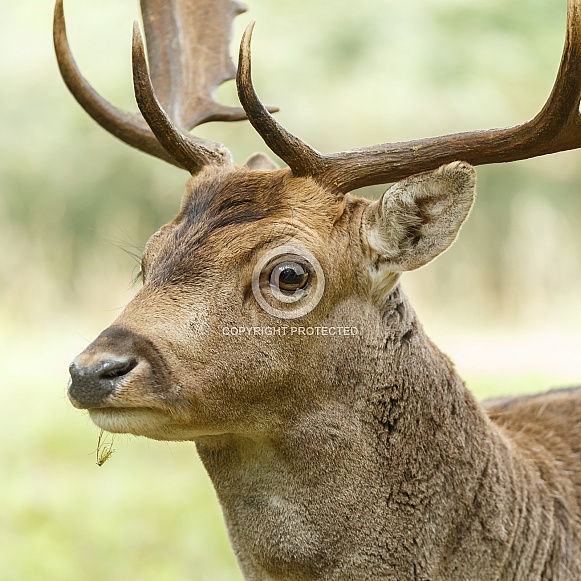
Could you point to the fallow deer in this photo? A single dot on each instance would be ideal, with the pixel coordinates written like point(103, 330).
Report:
point(272, 330)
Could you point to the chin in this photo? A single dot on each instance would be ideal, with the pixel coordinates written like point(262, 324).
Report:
point(145, 422)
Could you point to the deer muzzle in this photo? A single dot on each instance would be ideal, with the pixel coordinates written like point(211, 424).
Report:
point(115, 370)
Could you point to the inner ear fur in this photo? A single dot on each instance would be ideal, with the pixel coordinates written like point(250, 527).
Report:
point(419, 217)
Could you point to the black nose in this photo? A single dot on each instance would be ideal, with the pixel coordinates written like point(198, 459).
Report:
point(91, 384)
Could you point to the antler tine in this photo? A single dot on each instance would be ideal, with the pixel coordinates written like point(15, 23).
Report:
point(299, 156)
point(191, 153)
point(129, 127)
point(565, 98)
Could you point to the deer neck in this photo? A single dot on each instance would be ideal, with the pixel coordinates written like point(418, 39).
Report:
point(394, 458)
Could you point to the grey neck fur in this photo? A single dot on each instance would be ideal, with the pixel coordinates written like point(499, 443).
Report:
point(401, 476)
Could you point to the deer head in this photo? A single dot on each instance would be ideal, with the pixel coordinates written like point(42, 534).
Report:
point(209, 345)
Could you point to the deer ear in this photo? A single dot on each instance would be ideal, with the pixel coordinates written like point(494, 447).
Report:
point(260, 161)
point(419, 217)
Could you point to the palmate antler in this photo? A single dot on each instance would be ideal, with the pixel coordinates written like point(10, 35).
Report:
point(188, 45)
point(557, 127)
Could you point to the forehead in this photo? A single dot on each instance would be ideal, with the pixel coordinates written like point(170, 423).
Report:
point(220, 199)
point(226, 214)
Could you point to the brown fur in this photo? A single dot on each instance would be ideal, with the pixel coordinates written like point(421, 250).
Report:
point(353, 457)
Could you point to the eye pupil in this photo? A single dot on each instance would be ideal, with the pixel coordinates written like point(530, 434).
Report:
point(289, 276)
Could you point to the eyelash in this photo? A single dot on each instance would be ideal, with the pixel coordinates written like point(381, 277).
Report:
point(138, 277)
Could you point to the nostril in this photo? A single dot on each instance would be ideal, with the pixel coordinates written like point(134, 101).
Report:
point(102, 370)
point(115, 368)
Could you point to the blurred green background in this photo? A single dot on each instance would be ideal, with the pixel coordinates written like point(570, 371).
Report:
point(75, 204)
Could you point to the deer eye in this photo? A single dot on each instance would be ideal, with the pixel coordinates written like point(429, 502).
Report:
point(289, 276)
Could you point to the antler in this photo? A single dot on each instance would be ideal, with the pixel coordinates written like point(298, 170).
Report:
point(555, 128)
point(188, 53)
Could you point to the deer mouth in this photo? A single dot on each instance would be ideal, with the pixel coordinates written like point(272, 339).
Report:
point(125, 420)
point(149, 422)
